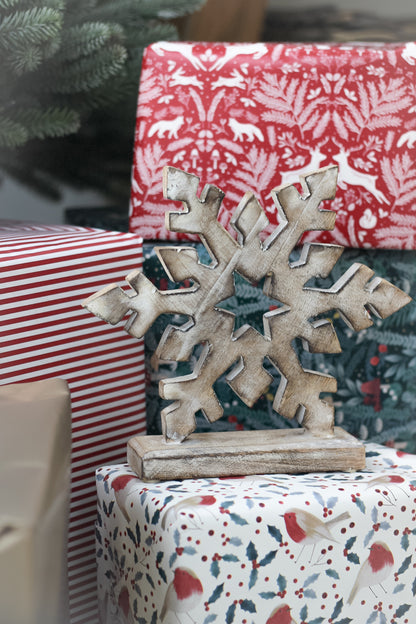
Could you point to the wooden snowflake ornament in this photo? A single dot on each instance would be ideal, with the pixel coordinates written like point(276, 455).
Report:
point(298, 313)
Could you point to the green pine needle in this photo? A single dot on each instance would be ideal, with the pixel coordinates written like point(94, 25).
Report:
point(34, 27)
point(12, 133)
point(23, 59)
point(84, 39)
point(52, 122)
point(87, 73)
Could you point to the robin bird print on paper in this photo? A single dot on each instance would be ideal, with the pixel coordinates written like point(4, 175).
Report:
point(183, 593)
point(304, 528)
point(374, 570)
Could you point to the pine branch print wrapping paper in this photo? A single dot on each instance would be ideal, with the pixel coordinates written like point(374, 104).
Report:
point(255, 116)
point(316, 546)
point(376, 370)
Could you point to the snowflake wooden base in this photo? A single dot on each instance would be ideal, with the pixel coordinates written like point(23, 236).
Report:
point(233, 453)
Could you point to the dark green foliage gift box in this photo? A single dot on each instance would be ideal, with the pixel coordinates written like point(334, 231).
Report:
point(376, 371)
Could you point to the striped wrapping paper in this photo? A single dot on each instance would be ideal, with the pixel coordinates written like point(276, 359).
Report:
point(46, 273)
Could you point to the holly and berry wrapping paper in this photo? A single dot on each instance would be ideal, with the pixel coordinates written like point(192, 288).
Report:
point(376, 370)
point(320, 547)
point(254, 116)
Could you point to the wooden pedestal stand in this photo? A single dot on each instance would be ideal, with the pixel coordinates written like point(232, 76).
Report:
point(233, 453)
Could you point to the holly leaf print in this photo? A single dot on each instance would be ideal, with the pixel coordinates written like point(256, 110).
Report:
point(229, 616)
point(333, 574)
point(210, 618)
point(368, 537)
point(353, 557)
point(274, 532)
point(350, 543)
point(216, 593)
point(282, 583)
point(398, 588)
point(98, 536)
point(156, 515)
point(162, 574)
point(251, 552)
point(309, 593)
point(332, 502)
point(227, 504)
point(404, 542)
point(344, 621)
point(361, 506)
point(248, 605)
point(215, 569)
point(189, 550)
point(237, 519)
point(311, 579)
point(230, 557)
point(317, 620)
point(253, 578)
point(414, 588)
point(319, 499)
point(404, 565)
point(337, 609)
point(303, 614)
point(131, 536)
point(402, 610)
point(268, 558)
point(267, 595)
point(235, 541)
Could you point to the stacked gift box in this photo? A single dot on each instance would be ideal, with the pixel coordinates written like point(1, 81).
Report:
point(230, 550)
point(47, 271)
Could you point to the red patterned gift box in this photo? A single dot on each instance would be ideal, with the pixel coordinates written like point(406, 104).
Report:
point(255, 116)
point(47, 271)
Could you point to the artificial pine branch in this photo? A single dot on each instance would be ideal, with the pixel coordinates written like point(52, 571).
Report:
point(52, 122)
point(68, 87)
point(34, 26)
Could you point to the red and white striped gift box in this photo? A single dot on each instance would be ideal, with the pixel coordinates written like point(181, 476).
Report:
point(46, 273)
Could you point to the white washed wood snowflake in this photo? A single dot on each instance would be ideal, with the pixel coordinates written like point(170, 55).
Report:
point(297, 315)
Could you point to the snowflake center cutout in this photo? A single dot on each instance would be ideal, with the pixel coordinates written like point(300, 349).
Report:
point(242, 351)
point(248, 303)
